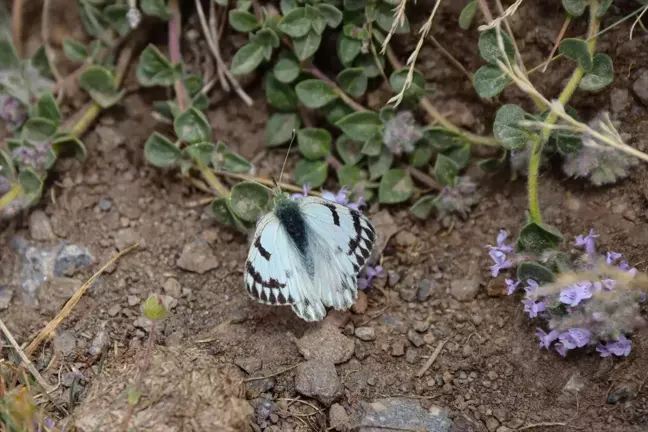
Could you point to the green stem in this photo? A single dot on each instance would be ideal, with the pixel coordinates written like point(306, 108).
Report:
point(7, 198)
point(565, 96)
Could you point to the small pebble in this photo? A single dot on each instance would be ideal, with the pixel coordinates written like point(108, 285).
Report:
point(105, 204)
point(412, 355)
point(398, 348)
point(415, 338)
point(365, 333)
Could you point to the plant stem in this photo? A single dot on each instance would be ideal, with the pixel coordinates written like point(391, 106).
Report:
point(176, 58)
point(565, 96)
point(7, 198)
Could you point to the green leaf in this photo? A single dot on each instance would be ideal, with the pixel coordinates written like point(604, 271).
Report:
point(247, 59)
point(506, 127)
point(368, 63)
point(423, 207)
point(492, 164)
point(490, 80)
point(265, 37)
point(353, 81)
point(336, 110)
point(6, 165)
point(422, 154)
point(74, 51)
point(161, 152)
point(536, 272)
point(280, 95)
point(286, 6)
point(373, 146)
point(577, 50)
point(387, 113)
point(295, 23)
point(445, 170)
point(361, 125)
point(249, 200)
point(331, 14)
point(602, 74)
point(8, 57)
point(154, 69)
point(306, 46)
point(489, 48)
point(30, 182)
point(222, 212)
point(536, 238)
point(604, 5)
point(349, 150)
point(46, 107)
point(64, 142)
point(574, 8)
point(200, 151)
point(395, 187)
point(280, 127)
point(158, 8)
point(348, 49)
point(314, 143)
point(116, 15)
point(379, 165)
point(312, 173)
point(443, 139)
point(40, 62)
point(38, 129)
point(318, 23)
point(460, 156)
point(467, 15)
point(315, 93)
point(385, 19)
point(415, 91)
point(98, 79)
point(192, 126)
point(354, 5)
point(349, 176)
point(287, 68)
point(568, 142)
point(243, 21)
point(92, 19)
point(233, 162)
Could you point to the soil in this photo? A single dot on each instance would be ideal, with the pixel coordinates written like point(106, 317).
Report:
point(490, 373)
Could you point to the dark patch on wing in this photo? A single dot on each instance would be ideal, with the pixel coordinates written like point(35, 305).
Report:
point(263, 251)
point(360, 251)
point(256, 276)
point(334, 213)
point(292, 220)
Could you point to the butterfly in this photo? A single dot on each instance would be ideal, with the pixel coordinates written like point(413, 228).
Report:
point(307, 253)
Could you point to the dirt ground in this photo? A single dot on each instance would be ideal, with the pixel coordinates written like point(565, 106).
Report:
point(490, 373)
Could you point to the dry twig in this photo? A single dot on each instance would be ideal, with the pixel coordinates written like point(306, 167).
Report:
point(432, 358)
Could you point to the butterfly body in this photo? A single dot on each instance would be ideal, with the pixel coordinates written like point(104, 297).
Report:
point(307, 253)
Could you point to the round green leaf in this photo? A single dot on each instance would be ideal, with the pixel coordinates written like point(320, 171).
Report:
point(64, 142)
point(442, 139)
point(6, 165)
point(234, 162)
point(489, 48)
point(306, 46)
point(336, 110)
point(460, 155)
point(354, 5)
point(467, 15)
point(568, 142)
point(315, 93)
point(200, 151)
point(368, 63)
point(489, 81)
point(353, 81)
point(331, 14)
point(373, 146)
point(46, 107)
point(422, 154)
point(395, 187)
point(314, 143)
point(243, 21)
point(604, 5)
point(265, 37)
point(574, 8)
point(30, 182)
point(385, 19)
point(445, 170)
point(506, 127)
point(348, 49)
point(602, 74)
point(295, 23)
point(280, 95)
point(248, 200)
point(38, 130)
point(222, 212)
point(98, 79)
point(423, 207)
point(247, 58)
point(415, 91)
point(536, 272)
point(280, 127)
point(161, 152)
point(350, 175)
point(318, 23)
point(154, 68)
point(536, 238)
point(312, 173)
point(379, 165)
point(287, 69)
point(192, 126)
point(75, 51)
point(349, 150)
point(158, 8)
point(577, 50)
point(361, 126)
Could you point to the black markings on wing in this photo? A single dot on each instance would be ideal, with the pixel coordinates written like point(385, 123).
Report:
point(361, 244)
point(292, 220)
point(334, 213)
point(263, 251)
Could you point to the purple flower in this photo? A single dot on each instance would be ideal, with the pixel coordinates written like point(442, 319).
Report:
point(342, 197)
point(12, 111)
point(562, 350)
point(501, 262)
point(587, 241)
point(370, 273)
point(501, 246)
point(575, 338)
point(546, 339)
point(620, 348)
point(356, 205)
point(512, 286)
point(574, 294)
point(306, 188)
point(624, 266)
point(534, 308)
point(609, 284)
point(611, 257)
point(531, 289)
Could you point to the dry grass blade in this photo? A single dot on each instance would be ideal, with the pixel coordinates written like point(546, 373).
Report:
point(510, 11)
point(67, 309)
point(638, 21)
point(432, 358)
point(399, 19)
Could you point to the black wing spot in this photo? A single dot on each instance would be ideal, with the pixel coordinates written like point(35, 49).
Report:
point(254, 291)
point(281, 299)
point(370, 234)
point(256, 276)
point(272, 299)
point(263, 296)
point(334, 213)
point(263, 251)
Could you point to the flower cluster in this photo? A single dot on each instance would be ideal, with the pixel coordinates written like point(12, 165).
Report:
point(342, 197)
point(370, 273)
point(35, 157)
point(401, 133)
point(583, 312)
point(457, 199)
point(12, 111)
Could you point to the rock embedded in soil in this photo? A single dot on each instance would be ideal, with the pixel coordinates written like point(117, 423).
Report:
point(319, 379)
point(256, 388)
point(424, 289)
point(398, 348)
point(463, 423)
point(40, 227)
point(326, 342)
point(640, 86)
point(465, 290)
point(492, 424)
point(70, 259)
point(197, 257)
point(365, 333)
point(339, 419)
point(619, 99)
point(99, 342)
point(406, 414)
point(249, 364)
point(172, 288)
point(361, 304)
point(6, 295)
point(65, 344)
point(126, 238)
point(53, 295)
point(415, 338)
point(412, 355)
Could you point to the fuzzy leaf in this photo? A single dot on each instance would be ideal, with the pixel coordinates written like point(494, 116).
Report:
point(577, 50)
point(222, 212)
point(46, 107)
point(536, 238)
point(385, 19)
point(285, 6)
point(37, 130)
point(354, 5)
point(350, 175)
point(249, 200)
point(368, 63)
point(602, 74)
point(379, 165)
point(116, 15)
point(295, 23)
point(265, 37)
point(442, 139)
point(422, 154)
point(373, 146)
point(395, 187)
point(247, 59)
point(233, 162)
point(192, 126)
point(287, 69)
point(314, 143)
point(318, 23)
point(201, 151)
point(536, 272)
point(306, 46)
point(155, 69)
point(361, 125)
point(423, 207)
point(490, 80)
point(243, 21)
point(315, 93)
point(8, 57)
point(280, 95)
point(280, 127)
point(313, 173)
point(98, 79)
point(336, 110)
point(349, 150)
point(75, 51)
point(353, 81)
point(30, 182)
point(6, 165)
point(415, 91)
point(574, 8)
point(161, 152)
point(158, 8)
point(445, 170)
point(348, 49)
point(489, 48)
point(331, 14)
point(467, 15)
point(65, 142)
point(604, 5)
point(568, 142)
point(460, 155)
point(506, 127)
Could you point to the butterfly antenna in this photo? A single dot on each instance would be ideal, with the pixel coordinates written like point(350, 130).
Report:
point(292, 139)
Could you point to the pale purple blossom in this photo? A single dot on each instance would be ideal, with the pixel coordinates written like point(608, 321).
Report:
point(534, 308)
point(609, 284)
point(501, 262)
point(511, 286)
point(305, 188)
point(12, 111)
point(619, 348)
point(531, 289)
point(587, 241)
point(611, 257)
point(342, 197)
point(370, 274)
point(501, 246)
point(575, 338)
point(574, 294)
point(546, 339)
point(624, 266)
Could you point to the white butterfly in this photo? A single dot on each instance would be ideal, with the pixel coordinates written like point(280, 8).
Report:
point(307, 253)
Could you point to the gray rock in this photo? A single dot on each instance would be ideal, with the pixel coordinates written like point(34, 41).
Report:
point(403, 413)
point(197, 257)
point(424, 289)
point(55, 293)
point(65, 343)
point(99, 342)
point(393, 277)
point(126, 237)
point(172, 287)
point(408, 294)
point(6, 295)
point(114, 310)
point(256, 388)
point(133, 300)
point(365, 333)
point(105, 204)
point(339, 419)
point(40, 227)
point(412, 355)
point(143, 323)
point(398, 348)
point(465, 290)
point(619, 99)
point(640, 86)
point(319, 379)
point(492, 424)
point(326, 342)
point(70, 259)
point(463, 423)
point(415, 337)
point(249, 364)
point(395, 323)
point(263, 408)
